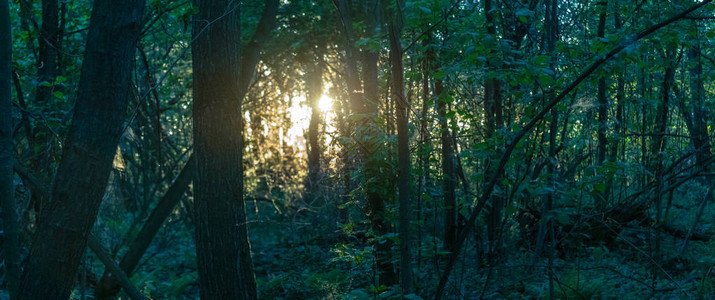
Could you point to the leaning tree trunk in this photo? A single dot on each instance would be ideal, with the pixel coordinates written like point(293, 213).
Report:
point(102, 97)
point(109, 285)
point(221, 75)
point(10, 243)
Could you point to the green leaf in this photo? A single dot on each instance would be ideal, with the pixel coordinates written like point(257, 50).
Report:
point(60, 79)
point(58, 94)
point(600, 187)
point(541, 59)
point(563, 218)
point(545, 80)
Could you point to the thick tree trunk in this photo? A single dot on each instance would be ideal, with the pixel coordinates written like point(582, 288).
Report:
point(102, 97)
point(403, 152)
point(222, 247)
point(10, 241)
point(222, 72)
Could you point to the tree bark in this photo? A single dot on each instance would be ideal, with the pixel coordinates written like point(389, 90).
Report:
point(222, 73)
point(493, 116)
point(10, 238)
point(449, 183)
point(314, 81)
point(601, 153)
point(47, 60)
point(375, 195)
point(102, 97)
point(403, 152)
point(659, 143)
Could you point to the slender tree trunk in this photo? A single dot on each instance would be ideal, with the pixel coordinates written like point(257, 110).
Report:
point(222, 73)
point(375, 198)
point(493, 116)
point(545, 227)
point(7, 187)
point(423, 152)
point(601, 152)
point(314, 81)
point(352, 81)
point(102, 97)
point(699, 116)
point(403, 152)
point(620, 106)
point(451, 226)
point(46, 74)
point(47, 60)
point(658, 145)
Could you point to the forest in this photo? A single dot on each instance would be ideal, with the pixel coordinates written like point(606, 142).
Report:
point(357, 149)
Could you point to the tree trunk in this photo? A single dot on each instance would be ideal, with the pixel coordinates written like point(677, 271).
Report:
point(102, 97)
point(47, 60)
point(451, 226)
point(493, 116)
point(403, 152)
point(10, 238)
point(375, 197)
point(699, 116)
point(601, 153)
point(222, 72)
point(314, 81)
point(658, 145)
point(46, 74)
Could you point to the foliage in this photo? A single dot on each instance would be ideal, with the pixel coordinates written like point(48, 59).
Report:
point(652, 238)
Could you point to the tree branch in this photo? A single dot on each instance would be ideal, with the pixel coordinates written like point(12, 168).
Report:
point(259, 38)
point(527, 128)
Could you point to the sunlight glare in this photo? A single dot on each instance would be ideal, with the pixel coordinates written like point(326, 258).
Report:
point(325, 104)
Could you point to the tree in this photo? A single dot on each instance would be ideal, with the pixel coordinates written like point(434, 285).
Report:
point(10, 237)
point(403, 147)
point(314, 82)
point(222, 73)
point(602, 196)
point(102, 97)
